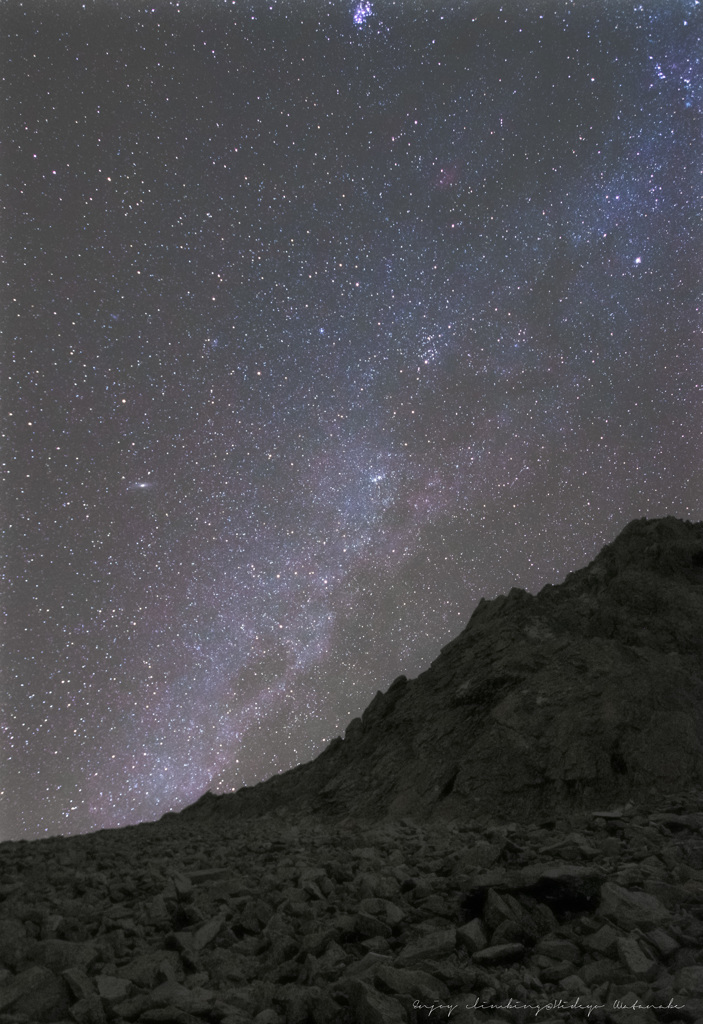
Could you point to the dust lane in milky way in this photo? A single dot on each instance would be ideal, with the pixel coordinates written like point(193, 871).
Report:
point(325, 320)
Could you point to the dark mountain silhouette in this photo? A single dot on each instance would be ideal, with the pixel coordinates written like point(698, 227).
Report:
point(587, 694)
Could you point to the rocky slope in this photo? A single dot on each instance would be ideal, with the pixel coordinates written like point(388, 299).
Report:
point(587, 693)
point(491, 888)
point(597, 916)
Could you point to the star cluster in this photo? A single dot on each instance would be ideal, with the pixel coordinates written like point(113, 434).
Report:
point(323, 321)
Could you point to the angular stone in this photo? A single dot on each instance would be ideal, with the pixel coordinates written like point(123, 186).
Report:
point(298, 1002)
point(635, 961)
point(672, 896)
point(505, 953)
point(507, 931)
point(630, 909)
point(551, 972)
point(689, 980)
point(268, 1016)
point(131, 1008)
point(368, 963)
point(311, 887)
point(610, 846)
point(376, 944)
point(248, 999)
point(383, 909)
point(537, 918)
point(602, 941)
point(472, 936)
point(183, 886)
point(664, 944)
point(333, 961)
point(317, 942)
point(435, 946)
point(574, 985)
point(58, 955)
point(112, 989)
point(79, 983)
point(181, 941)
point(288, 971)
point(153, 967)
point(437, 906)
point(496, 910)
point(88, 1010)
point(375, 885)
point(192, 1000)
point(156, 912)
point(493, 879)
point(367, 926)
point(685, 957)
point(559, 949)
point(598, 971)
point(204, 935)
point(325, 1010)
point(572, 847)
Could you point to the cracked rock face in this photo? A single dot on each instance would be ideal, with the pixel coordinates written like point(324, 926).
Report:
point(589, 693)
point(515, 835)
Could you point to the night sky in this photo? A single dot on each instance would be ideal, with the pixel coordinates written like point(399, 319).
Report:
point(323, 320)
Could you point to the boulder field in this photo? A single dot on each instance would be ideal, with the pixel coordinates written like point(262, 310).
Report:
point(574, 918)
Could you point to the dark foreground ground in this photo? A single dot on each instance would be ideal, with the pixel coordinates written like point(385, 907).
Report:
point(596, 916)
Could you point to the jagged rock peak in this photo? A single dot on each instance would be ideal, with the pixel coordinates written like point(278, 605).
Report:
point(644, 575)
point(587, 694)
point(666, 546)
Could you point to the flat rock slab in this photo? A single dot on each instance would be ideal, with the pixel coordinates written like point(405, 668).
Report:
point(434, 946)
point(630, 909)
point(505, 953)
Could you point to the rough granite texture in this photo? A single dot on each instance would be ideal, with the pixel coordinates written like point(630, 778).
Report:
point(516, 835)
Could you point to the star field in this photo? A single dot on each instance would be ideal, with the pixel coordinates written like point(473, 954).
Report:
point(323, 321)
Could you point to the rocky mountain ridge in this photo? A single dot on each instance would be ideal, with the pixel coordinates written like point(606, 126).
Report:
point(589, 693)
